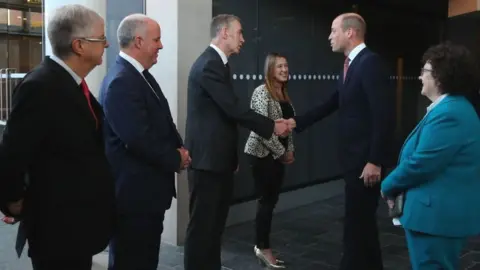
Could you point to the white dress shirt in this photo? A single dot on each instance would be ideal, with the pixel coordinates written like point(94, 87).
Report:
point(221, 53)
point(355, 52)
point(139, 67)
point(132, 61)
point(59, 61)
point(436, 102)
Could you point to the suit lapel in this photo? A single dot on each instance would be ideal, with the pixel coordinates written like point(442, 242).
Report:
point(147, 85)
point(422, 122)
point(74, 91)
point(153, 88)
point(352, 65)
point(162, 100)
point(166, 107)
point(414, 131)
point(160, 96)
point(213, 54)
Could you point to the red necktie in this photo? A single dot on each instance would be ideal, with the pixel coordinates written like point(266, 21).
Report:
point(86, 92)
point(345, 67)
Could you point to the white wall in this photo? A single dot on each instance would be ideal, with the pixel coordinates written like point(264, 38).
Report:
point(185, 28)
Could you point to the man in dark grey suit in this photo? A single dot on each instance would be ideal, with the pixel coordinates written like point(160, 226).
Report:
point(213, 114)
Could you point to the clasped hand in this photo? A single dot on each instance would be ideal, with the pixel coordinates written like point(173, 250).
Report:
point(15, 209)
point(371, 174)
point(186, 159)
point(287, 158)
point(283, 127)
point(390, 202)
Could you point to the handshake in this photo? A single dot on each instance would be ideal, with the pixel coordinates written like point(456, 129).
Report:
point(186, 159)
point(283, 127)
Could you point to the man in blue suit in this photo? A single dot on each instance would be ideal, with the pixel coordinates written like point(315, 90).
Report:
point(366, 123)
point(142, 145)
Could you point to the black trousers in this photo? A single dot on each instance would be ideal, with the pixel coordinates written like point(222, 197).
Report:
point(136, 242)
point(361, 245)
point(210, 197)
point(268, 176)
point(74, 263)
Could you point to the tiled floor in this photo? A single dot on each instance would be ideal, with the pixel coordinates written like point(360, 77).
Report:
point(307, 238)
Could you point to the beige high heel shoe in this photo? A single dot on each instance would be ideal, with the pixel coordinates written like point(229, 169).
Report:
point(262, 259)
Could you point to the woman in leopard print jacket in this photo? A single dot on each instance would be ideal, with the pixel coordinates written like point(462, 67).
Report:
point(268, 157)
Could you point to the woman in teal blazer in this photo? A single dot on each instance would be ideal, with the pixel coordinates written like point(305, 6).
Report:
point(439, 165)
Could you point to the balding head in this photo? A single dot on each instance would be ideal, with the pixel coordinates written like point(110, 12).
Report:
point(348, 31)
point(130, 27)
point(355, 22)
point(227, 33)
point(139, 36)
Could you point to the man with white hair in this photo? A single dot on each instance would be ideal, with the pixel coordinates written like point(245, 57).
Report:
point(54, 137)
point(143, 146)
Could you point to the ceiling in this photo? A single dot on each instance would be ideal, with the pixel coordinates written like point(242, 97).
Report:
point(435, 8)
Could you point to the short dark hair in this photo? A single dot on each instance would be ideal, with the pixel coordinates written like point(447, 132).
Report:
point(455, 70)
point(220, 21)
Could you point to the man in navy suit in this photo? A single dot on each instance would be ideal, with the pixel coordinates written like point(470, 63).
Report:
point(366, 121)
point(142, 145)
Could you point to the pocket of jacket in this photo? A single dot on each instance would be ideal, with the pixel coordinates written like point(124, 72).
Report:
point(425, 200)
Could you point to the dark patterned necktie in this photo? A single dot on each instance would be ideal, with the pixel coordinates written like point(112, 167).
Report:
point(161, 98)
point(228, 70)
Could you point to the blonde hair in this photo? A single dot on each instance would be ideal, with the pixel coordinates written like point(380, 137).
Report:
point(269, 70)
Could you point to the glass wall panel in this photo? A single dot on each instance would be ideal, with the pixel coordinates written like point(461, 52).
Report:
point(21, 33)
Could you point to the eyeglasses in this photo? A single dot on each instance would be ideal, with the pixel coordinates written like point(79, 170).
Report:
point(101, 39)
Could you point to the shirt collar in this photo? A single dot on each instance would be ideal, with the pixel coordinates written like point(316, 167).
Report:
point(436, 102)
point(356, 51)
point(59, 61)
point(132, 61)
point(221, 53)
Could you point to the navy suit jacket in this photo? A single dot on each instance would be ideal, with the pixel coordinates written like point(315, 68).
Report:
point(141, 140)
point(366, 107)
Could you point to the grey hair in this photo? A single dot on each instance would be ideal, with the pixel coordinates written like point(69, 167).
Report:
point(221, 21)
point(67, 23)
point(130, 27)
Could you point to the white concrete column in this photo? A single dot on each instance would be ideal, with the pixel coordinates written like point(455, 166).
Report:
point(185, 28)
point(94, 79)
